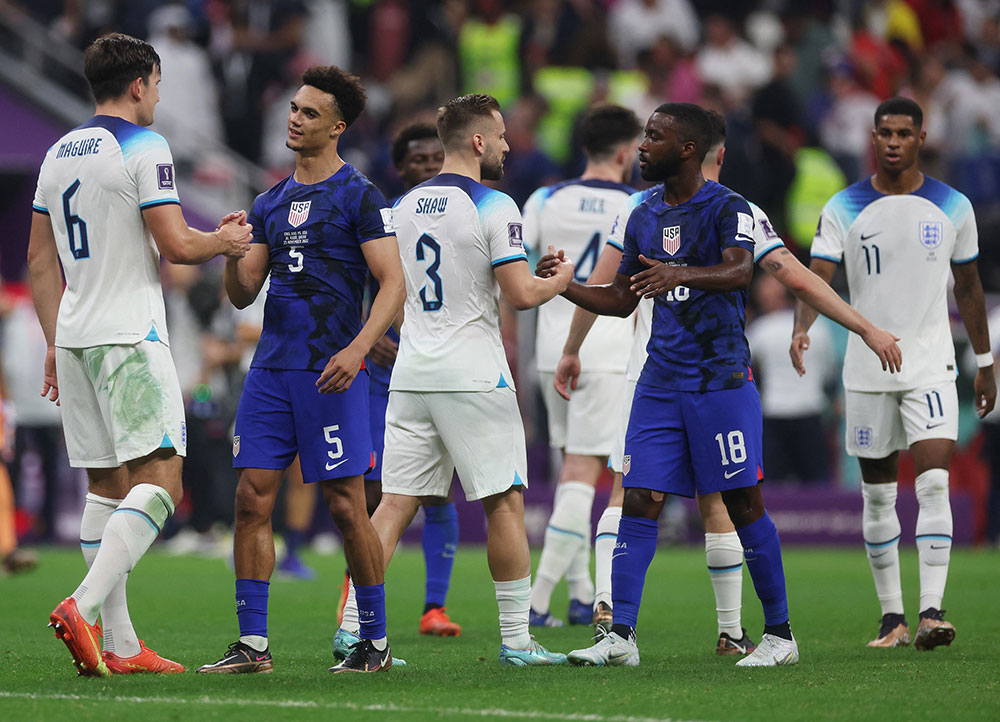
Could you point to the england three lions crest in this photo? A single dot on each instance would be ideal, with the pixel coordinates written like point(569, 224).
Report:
point(298, 213)
point(931, 234)
point(672, 239)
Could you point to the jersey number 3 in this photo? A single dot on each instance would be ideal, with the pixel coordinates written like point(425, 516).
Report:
point(431, 304)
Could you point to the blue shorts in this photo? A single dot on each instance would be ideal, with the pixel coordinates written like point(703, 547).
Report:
point(378, 400)
point(686, 442)
point(282, 413)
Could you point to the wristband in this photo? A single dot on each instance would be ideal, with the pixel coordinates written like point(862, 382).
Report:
point(984, 360)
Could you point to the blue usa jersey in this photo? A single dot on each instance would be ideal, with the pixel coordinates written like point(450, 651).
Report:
point(314, 234)
point(697, 342)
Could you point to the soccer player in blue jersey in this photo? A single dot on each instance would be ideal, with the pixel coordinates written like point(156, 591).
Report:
point(695, 425)
point(900, 235)
point(417, 154)
point(105, 209)
point(318, 233)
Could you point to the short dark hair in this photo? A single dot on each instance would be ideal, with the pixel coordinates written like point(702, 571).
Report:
point(458, 114)
point(717, 124)
point(348, 93)
point(693, 124)
point(605, 126)
point(113, 61)
point(412, 132)
point(901, 106)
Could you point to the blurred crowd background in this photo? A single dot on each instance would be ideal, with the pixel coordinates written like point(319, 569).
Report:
point(797, 81)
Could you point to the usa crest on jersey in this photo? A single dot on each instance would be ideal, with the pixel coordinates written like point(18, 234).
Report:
point(672, 239)
point(298, 212)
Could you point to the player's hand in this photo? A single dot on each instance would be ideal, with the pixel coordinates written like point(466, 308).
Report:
point(340, 371)
point(564, 270)
point(567, 374)
point(884, 345)
point(383, 352)
point(985, 387)
point(546, 266)
point(656, 279)
point(239, 217)
point(800, 344)
point(235, 238)
point(50, 384)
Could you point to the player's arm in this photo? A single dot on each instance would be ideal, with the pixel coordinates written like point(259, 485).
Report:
point(805, 315)
point(972, 307)
point(810, 288)
point(732, 274)
point(179, 243)
point(568, 370)
point(244, 277)
point(382, 257)
point(523, 290)
point(46, 291)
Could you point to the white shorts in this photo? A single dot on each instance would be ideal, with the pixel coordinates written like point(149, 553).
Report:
point(877, 424)
point(119, 403)
point(430, 435)
point(617, 457)
point(583, 425)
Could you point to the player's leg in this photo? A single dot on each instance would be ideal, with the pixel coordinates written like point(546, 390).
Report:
point(300, 503)
point(724, 556)
point(874, 435)
point(930, 417)
point(440, 543)
point(605, 538)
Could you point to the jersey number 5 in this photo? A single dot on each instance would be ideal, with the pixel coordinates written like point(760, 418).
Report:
point(431, 304)
point(77, 239)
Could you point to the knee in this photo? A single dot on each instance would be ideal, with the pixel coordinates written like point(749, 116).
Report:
point(931, 485)
point(641, 503)
point(251, 504)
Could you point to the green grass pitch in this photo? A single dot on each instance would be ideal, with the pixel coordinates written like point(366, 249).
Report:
point(183, 607)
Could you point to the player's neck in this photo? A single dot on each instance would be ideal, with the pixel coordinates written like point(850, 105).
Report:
point(898, 183)
point(317, 168)
point(118, 109)
point(460, 165)
point(711, 172)
point(610, 171)
point(682, 187)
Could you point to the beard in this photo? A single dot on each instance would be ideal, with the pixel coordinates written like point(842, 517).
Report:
point(492, 168)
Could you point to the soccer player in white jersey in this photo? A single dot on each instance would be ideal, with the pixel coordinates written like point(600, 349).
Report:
point(577, 215)
point(898, 233)
point(723, 551)
point(106, 207)
point(452, 404)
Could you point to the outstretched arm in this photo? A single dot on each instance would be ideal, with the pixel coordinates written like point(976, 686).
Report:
point(523, 290)
point(816, 292)
point(972, 308)
point(805, 315)
point(179, 243)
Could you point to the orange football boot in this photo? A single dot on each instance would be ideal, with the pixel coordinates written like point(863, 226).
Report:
point(436, 622)
point(83, 640)
point(145, 662)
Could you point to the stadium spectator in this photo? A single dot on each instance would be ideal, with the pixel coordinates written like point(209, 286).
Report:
point(636, 25)
point(730, 62)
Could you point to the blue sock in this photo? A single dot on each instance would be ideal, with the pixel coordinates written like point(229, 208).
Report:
point(762, 550)
point(440, 540)
point(293, 540)
point(633, 553)
point(251, 606)
point(371, 610)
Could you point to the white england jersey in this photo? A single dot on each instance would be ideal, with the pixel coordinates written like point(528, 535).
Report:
point(94, 184)
point(765, 240)
point(576, 216)
point(452, 232)
point(897, 251)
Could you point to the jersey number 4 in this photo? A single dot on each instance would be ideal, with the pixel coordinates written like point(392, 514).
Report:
point(76, 228)
point(432, 246)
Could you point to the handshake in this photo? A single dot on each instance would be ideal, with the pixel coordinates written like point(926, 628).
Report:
point(555, 265)
point(235, 233)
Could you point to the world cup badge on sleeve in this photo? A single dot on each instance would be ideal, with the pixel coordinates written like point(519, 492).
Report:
point(298, 212)
point(672, 239)
point(236, 446)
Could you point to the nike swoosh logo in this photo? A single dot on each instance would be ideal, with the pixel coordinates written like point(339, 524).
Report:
point(331, 467)
point(943, 546)
point(870, 235)
point(934, 426)
point(876, 556)
point(731, 474)
point(620, 554)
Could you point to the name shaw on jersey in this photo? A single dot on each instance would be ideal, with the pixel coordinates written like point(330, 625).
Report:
point(432, 204)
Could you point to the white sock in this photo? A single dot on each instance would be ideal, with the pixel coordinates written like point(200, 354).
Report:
point(255, 641)
point(578, 579)
point(351, 622)
point(604, 547)
point(568, 530)
point(119, 635)
point(724, 555)
point(880, 526)
point(513, 600)
point(934, 527)
point(130, 531)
